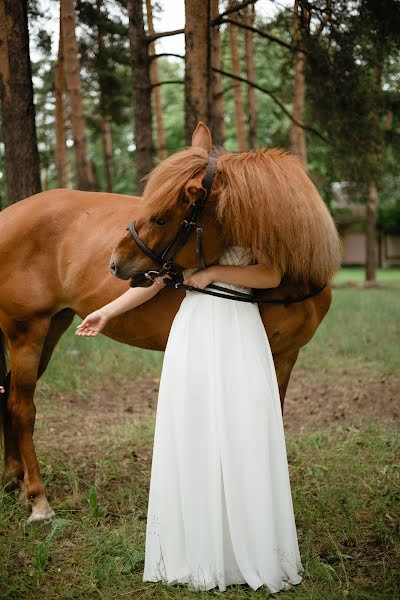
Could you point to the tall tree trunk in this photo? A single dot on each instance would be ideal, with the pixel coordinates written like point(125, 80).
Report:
point(141, 92)
point(197, 65)
point(372, 204)
point(297, 134)
point(106, 139)
point(237, 86)
point(161, 141)
point(73, 82)
point(60, 149)
point(22, 166)
point(250, 15)
point(106, 136)
point(370, 265)
point(217, 89)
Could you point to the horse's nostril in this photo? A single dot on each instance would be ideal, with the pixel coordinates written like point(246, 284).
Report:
point(113, 268)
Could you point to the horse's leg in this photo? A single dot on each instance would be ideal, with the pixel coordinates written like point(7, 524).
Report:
point(13, 473)
point(58, 325)
point(25, 342)
point(284, 364)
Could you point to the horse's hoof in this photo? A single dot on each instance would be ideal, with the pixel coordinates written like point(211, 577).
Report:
point(40, 516)
point(41, 510)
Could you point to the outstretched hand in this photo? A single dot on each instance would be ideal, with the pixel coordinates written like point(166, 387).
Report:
point(92, 324)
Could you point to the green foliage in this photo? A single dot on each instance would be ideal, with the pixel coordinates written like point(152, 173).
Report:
point(349, 90)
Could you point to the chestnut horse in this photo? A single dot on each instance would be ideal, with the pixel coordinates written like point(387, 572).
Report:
point(55, 259)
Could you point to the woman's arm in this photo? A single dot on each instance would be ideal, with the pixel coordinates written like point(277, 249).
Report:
point(262, 275)
point(133, 297)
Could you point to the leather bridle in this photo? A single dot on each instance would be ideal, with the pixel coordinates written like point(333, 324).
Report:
point(165, 258)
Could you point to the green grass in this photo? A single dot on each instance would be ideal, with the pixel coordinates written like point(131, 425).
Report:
point(82, 364)
point(346, 493)
point(387, 276)
point(360, 331)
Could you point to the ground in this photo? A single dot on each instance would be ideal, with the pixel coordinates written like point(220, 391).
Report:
point(94, 431)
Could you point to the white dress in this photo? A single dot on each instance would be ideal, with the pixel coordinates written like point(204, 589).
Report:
point(220, 507)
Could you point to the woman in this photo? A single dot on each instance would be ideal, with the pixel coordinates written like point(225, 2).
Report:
point(220, 508)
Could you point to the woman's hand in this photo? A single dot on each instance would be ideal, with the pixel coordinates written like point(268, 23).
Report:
point(92, 324)
point(201, 279)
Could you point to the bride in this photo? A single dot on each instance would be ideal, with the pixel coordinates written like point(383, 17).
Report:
point(220, 508)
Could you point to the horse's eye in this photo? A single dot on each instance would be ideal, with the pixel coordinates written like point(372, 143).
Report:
point(160, 221)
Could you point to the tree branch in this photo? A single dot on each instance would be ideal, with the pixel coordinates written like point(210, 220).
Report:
point(278, 102)
point(156, 36)
point(324, 21)
point(218, 20)
point(167, 81)
point(153, 56)
point(266, 35)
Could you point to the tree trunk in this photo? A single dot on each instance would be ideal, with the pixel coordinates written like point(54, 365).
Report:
point(217, 89)
point(141, 92)
point(297, 134)
point(106, 139)
point(370, 265)
point(60, 149)
point(22, 166)
point(106, 136)
point(237, 86)
point(73, 82)
point(250, 15)
point(161, 141)
point(197, 65)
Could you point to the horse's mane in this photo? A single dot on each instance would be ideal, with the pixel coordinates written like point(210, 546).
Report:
point(166, 181)
point(265, 201)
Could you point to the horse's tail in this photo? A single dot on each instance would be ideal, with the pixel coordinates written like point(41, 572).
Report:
point(4, 380)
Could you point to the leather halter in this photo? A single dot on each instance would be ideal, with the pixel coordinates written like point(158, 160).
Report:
point(166, 257)
point(192, 221)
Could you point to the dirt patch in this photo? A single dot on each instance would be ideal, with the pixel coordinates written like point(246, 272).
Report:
point(312, 403)
point(346, 398)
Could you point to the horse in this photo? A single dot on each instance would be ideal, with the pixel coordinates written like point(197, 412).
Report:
point(55, 264)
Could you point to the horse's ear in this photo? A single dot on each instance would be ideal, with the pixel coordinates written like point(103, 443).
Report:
point(201, 137)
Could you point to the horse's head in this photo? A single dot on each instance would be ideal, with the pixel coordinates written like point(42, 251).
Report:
point(176, 224)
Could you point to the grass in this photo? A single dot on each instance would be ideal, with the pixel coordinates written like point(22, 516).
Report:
point(346, 492)
point(360, 331)
point(384, 276)
point(345, 480)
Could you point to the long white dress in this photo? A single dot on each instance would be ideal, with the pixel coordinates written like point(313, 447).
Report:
point(220, 508)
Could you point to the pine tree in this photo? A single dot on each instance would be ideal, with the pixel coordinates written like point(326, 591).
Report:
point(141, 89)
point(18, 112)
point(84, 170)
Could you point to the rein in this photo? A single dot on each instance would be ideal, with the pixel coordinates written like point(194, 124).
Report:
point(165, 258)
point(241, 296)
